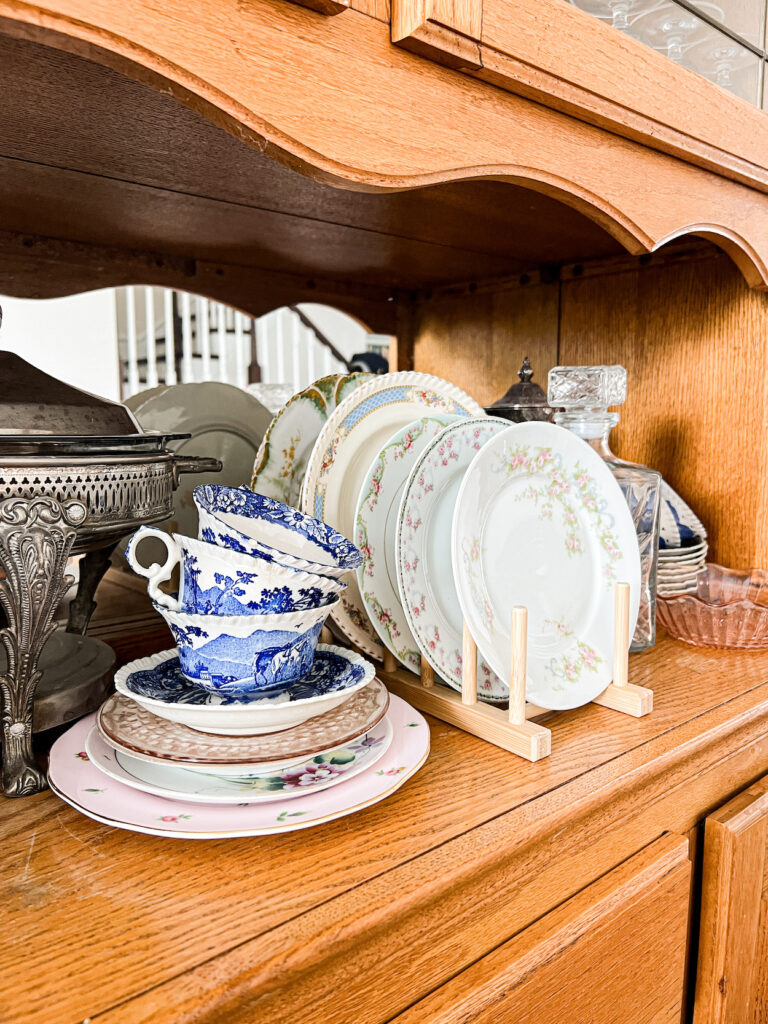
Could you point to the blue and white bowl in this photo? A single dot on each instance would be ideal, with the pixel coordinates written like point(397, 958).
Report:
point(253, 524)
point(217, 581)
point(238, 655)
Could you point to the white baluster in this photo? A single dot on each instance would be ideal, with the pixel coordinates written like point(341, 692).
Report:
point(132, 347)
point(243, 358)
point(280, 376)
point(187, 369)
point(149, 330)
point(204, 337)
point(221, 324)
point(170, 338)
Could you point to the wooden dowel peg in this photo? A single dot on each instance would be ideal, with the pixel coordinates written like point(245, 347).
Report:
point(427, 673)
point(390, 662)
point(518, 665)
point(468, 667)
point(326, 636)
point(621, 635)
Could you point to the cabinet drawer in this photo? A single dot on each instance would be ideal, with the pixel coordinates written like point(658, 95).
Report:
point(614, 953)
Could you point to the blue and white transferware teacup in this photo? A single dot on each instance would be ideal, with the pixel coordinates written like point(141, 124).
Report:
point(218, 581)
point(240, 654)
point(236, 518)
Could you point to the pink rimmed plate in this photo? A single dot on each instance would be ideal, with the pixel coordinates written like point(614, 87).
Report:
point(80, 784)
point(423, 551)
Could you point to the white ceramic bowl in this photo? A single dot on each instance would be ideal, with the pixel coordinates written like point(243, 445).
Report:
point(248, 718)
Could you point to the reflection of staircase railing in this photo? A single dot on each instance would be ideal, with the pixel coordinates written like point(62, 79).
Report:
point(165, 337)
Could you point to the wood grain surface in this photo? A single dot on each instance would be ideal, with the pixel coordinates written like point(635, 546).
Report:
point(400, 875)
point(732, 977)
point(307, 90)
point(583, 960)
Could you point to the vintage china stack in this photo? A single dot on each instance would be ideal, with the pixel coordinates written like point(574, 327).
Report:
point(682, 546)
point(248, 712)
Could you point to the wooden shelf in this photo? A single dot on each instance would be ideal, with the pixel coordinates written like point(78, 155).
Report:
point(470, 841)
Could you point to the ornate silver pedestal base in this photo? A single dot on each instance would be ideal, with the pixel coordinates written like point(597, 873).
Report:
point(36, 536)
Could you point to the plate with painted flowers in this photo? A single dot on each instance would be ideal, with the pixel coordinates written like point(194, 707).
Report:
point(281, 460)
point(423, 551)
point(76, 780)
point(284, 782)
point(540, 521)
point(348, 444)
point(375, 528)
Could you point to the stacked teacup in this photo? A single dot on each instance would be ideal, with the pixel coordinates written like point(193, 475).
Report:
point(254, 590)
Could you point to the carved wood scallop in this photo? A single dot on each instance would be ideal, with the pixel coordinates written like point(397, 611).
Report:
point(334, 99)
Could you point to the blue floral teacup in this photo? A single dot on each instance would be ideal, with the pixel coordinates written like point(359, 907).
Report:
point(241, 654)
point(218, 581)
point(236, 518)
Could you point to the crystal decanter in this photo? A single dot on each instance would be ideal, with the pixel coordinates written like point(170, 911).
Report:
point(584, 394)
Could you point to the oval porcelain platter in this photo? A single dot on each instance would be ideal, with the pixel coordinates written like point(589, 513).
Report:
point(80, 783)
point(423, 551)
point(349, 442)
point(375, 528)
point(540, 521)
point(281, 460)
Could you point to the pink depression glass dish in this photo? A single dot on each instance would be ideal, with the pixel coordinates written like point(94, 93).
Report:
point(729, 609)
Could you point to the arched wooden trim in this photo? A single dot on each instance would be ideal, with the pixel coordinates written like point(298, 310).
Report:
point(608, 177)
point(743, 254)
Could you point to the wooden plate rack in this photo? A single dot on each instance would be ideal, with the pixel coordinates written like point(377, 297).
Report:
point(513, 729)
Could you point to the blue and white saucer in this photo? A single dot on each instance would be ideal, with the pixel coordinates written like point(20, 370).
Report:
point(158, 684)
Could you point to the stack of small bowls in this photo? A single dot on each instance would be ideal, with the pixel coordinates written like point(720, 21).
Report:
point(254, 590)
point(682, 546)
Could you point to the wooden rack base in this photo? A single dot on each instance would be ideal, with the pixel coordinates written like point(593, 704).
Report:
point(512, 730)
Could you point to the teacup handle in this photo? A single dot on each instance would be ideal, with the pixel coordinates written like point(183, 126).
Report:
point(155, 573)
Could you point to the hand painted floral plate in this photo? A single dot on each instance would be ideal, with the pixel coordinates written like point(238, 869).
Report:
point(281, 460)
point(158, 684)
point(136, 731)
point(375, 527)
point(78, 782)
point(347, 445)
point(326, 769)
point(423, 551)
point(540, 521)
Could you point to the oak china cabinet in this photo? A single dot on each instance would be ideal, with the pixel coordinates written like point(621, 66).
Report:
point(484, 180)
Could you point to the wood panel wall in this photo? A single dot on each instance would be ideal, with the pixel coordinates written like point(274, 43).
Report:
point(694, 340)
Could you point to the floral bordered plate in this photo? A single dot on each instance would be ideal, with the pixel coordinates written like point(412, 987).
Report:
point(423, 551)
point(281, 460)
point(78, 782)
point(375, 528)
point(158, 684)
point(136, 731)
point(348, 443)
point(326, 769)
point(540, 521)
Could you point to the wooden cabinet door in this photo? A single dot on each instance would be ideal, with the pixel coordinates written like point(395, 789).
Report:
point(612, 954)
point(732, 976)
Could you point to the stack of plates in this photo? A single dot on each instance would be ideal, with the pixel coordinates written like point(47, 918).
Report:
point(164, 757)
point(679, 567)
point(682, 546)
point(458, 516)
